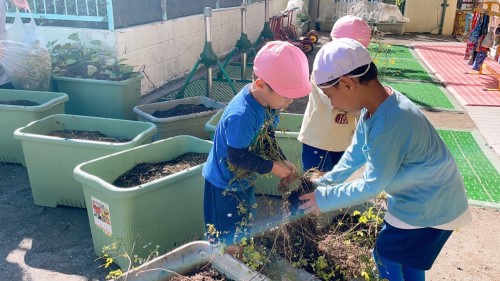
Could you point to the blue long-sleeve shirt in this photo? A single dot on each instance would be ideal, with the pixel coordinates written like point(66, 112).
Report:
point(404, 156)
point(238, 128)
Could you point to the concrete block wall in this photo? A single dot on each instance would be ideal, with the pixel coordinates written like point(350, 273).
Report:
point(169, 49)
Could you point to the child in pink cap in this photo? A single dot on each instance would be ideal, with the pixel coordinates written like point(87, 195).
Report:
point(323, 146)
point(281, 73)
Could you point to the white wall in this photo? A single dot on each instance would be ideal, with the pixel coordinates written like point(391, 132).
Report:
point(170, 49)
point(425, 16)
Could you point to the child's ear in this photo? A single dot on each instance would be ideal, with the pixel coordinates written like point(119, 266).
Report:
point(259, 83)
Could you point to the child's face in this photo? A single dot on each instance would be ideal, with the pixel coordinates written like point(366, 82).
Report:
point(274, 100)
point(343, 95)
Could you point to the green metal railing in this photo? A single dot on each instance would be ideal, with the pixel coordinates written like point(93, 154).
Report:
point(114, 14)
point(98, 11)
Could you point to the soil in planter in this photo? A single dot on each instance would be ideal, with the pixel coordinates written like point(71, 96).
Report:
point(202, 273)
point(86, 135)
point(147, 172)
point(181, 109)
point(338, 251)
point(19, 102)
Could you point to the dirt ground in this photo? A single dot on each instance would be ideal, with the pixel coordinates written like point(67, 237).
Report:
point(46, 244)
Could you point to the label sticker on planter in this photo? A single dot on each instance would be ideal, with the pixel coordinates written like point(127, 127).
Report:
point(102, 218)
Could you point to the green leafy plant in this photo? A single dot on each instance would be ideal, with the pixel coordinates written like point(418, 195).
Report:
point(117, 250)
point(72, 59)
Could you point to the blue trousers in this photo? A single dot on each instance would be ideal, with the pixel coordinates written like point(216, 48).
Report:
point(229, 212)
point(405, 254)
point(394, 271)
point(322, 160)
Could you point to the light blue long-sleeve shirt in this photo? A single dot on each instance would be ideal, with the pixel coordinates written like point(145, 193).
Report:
point(404, 156)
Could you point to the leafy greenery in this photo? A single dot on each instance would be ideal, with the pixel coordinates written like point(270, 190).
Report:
point(72, 59)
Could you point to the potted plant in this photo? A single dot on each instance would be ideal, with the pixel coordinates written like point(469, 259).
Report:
point(50, 159)
point(167, 211)
point(18, 108)
point(180, 117)
point(97, 83)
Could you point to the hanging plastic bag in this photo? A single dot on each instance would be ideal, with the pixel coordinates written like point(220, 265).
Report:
point(24, 56)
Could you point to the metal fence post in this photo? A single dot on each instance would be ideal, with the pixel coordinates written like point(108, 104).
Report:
point(111, 19)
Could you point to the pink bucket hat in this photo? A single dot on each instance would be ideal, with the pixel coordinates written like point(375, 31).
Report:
point(285, 68)
point(352, 27)
point(338, 58)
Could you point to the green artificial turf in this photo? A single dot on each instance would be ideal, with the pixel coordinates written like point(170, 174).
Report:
point(389, 51)
point(481, 178)
point(425, 95)
point(402, 68)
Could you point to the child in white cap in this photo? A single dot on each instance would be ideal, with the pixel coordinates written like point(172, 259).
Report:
point(403, 156)
point(281, 73)
point(322, 146)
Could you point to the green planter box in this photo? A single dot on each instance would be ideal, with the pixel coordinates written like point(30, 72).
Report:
point(101, 98)
point(190, 124)
point(16, 116)
point(167, 212)
point(286, 135)
point(188, 257)
point(391, 27)
point(50, 160)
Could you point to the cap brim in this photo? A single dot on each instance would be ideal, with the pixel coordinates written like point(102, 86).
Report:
point(294, 93)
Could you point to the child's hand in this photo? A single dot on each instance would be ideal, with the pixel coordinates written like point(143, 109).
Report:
point(290, 165)
point(310, 205)
point(282, 169)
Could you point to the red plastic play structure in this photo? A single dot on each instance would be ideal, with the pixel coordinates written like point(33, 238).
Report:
point(284, 30)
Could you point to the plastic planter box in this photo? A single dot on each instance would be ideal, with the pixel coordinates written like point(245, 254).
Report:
point(286, 135)
point(101, 98)
point(188, 257)
point(191, 124)
point(50, 160)
point(393, 28)
point(16, 116)
point(167, 212)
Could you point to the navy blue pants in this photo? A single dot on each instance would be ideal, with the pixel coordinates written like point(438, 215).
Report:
point(414, 248)
point(229, 213)
point(322, 160)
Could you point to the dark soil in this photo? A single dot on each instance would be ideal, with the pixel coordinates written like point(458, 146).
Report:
point(86, 135)
point(203, 273)
point(181, 109)
point(293, 187)
point(19, 102)
point(147, 172)
point(304, 243)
